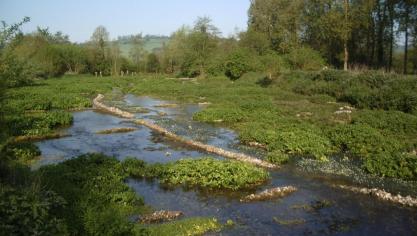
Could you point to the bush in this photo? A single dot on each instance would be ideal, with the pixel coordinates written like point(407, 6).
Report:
point(29, 212)
point(373, 90)
point(237, 64)
point(273, 65)
point(15, 72)
point(305, 58)
point(107, 221)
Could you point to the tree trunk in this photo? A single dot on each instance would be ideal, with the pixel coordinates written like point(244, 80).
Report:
point(391, 16)
point(346, 58)
point(380, 37)
point(407, 12)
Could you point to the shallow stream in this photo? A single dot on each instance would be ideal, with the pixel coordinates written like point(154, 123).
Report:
point(315, 209)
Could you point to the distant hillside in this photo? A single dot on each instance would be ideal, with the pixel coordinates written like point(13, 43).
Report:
point(151, 42)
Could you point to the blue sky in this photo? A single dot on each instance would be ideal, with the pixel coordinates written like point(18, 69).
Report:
point(78, 18)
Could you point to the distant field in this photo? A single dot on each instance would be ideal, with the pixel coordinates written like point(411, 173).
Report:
point(149, 45)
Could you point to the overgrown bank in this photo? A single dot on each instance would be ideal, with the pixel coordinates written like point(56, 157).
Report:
point(299, 114)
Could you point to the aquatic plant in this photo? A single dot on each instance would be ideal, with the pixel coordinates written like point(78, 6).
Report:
point(211, 173)
point(98, 198)
point(204, 172)
point(278, 157)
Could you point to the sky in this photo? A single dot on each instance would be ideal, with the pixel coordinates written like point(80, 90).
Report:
point(79, 18)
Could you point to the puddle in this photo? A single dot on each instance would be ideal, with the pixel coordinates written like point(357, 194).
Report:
point(347, 214)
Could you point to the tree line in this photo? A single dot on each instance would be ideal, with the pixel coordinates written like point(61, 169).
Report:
point(281, 35)
point(361, 32)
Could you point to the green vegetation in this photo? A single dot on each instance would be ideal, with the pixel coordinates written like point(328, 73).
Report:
point(29, 211)
point(205, 172)
point(370, 90)
point(191, 226)
point(86, 195)
point(211, 173)
point(296, 123)
point(22, 152)
point(98, 200)
point(278, 157)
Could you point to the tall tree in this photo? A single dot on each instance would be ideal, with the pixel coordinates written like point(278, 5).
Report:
point(280, 20)
point(99, 41)
point(202, 42)
point(408, 19)
point(115, 58)
point(137, 51)
point(100, 37)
